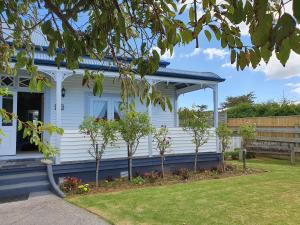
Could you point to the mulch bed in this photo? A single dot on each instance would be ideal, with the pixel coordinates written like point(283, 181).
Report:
point(181, 176)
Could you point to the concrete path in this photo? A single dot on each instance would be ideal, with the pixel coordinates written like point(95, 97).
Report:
point(46, 209)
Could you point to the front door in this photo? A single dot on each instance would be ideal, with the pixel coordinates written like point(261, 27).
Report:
point(8, 142)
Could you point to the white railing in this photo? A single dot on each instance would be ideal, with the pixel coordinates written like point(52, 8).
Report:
point(75, 146)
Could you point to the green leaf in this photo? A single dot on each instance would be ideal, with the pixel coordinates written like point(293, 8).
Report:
point(20, 126)
point(192, 14)
point(254, 58)
point(260, 8)
point(216, 30)
point(266, 53)
point(260, 34)
point(46, 27)
point(223, 41)
point(169, 104)
point(296, 9)
point(284, 52)
point(208, 35)
point(295, 42)
point(285, 26)
point(182, 9)
point(232, 56)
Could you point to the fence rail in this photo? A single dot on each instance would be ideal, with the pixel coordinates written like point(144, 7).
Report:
point(275, 135)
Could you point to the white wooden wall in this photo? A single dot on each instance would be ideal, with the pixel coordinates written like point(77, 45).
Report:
point(75, 103)
point(75, 146)
point(235, 143)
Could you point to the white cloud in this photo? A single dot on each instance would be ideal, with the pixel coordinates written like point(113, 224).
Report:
point(215, 53)
point(275, 70)
point(195, 52)
point(244, 28)
point(228, 65)
point(295, 87)
point(166, 56)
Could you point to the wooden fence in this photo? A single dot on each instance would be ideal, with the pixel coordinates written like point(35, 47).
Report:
point(275, 126)
point(275, 135)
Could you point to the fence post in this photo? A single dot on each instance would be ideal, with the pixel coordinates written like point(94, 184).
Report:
point(292, 152)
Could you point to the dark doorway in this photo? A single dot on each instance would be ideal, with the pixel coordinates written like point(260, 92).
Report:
point(30, 108)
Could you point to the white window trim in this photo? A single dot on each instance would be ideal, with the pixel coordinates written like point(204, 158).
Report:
point(109, 98)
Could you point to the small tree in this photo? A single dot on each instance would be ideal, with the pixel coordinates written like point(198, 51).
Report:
point(134, 126)
point(197, 122)
point(163, 144)
point(247, 133)
point(99, 130)
point(224, 133)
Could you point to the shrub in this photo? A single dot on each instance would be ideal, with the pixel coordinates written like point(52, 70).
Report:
point(227, 155)
point(235, 155)
point(70, 184)
point(109, 179)
point(250, 155)
point(183, 173)
point(138, 180)
point(83, 188)
point(152, 177)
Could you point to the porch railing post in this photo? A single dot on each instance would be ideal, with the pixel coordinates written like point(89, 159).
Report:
point(58, 79)
point(149, 109)
point(176, 116)
point(216, 113)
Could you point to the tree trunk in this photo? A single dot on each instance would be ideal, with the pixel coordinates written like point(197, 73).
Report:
point(162, 167)
point(130, 168)
point(195, 161)
point(97, 170)
point(128, 161)
point(223, 162)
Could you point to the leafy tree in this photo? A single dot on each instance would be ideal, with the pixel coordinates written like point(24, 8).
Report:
point(134, 126)
point(197, 123)
point(224, 133)
point(247, 133)
point(186, 113)
point(235, 101)
point(263, 109)
point(100, 131)
point(140, 30)
point(163, 144)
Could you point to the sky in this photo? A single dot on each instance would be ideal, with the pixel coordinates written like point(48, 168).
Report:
point(268, 82)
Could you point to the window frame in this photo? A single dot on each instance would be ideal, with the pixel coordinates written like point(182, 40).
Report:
point(111, 99)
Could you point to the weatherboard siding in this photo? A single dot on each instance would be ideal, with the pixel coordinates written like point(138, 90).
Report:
point(75, 146)
point(75, 103)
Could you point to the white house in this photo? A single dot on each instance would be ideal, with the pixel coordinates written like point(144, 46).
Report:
point(67, 103)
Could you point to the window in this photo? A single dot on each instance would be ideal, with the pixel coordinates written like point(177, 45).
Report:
point(7, 81)
point(24, 82)
point(99, 109)
point(106, 108)
point(7, 104)
point(118, 113)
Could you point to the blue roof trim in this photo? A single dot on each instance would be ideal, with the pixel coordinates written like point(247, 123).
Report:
point(59, 50)
point(116, 69)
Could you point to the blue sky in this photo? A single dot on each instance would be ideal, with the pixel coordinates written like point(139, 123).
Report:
point(267, 85)
point(268, 82)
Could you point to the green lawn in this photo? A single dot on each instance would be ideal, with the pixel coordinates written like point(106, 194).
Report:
point(266, 198)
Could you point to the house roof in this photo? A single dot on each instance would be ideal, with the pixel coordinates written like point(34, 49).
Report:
point(42, 58)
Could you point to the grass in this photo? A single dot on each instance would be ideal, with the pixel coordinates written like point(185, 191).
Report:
point(265, 198)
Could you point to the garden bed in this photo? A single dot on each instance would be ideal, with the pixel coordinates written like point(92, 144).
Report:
point(73, 186)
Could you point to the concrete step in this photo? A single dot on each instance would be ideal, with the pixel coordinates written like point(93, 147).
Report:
point(10, 178)
point(21, 169)
point(11, 190)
